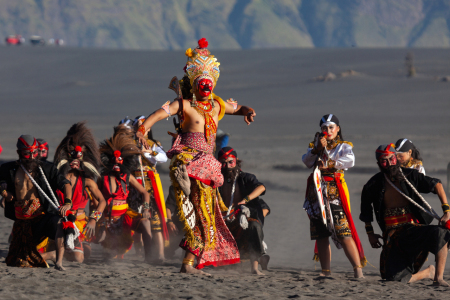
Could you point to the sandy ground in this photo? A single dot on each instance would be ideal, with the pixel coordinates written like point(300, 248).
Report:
point(43, 91)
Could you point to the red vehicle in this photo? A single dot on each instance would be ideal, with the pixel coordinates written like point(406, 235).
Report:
point(14, 39)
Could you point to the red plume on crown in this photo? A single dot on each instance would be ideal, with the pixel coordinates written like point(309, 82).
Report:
point(202, 43)
point(78, 149)
point(117, 153)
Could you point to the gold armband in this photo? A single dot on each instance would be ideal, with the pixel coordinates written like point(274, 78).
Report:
point(445, 208)
point(142, 129)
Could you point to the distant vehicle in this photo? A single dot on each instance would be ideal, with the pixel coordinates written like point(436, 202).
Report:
point(37, 40)
point(57, 42)
point(14, 39)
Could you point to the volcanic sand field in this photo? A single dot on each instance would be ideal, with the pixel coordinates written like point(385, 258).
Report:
point(43, 91)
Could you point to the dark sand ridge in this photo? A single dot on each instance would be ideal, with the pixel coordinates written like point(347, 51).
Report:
point(45, 90)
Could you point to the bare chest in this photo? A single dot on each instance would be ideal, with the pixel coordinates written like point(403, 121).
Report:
point(195, 119)
point(25, 188)
point(392, 198)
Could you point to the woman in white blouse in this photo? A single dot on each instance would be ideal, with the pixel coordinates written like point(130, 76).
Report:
point(332, 156)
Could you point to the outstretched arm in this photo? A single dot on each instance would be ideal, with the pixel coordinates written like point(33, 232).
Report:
point(246, 111)
point(156, 116)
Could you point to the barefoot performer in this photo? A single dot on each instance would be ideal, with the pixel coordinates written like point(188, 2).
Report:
point(42, 155)
point(240, 193)
point(28, 185)
point(147, 175)
point(194, 171)
point(77, 158)
point(331, 155)
point(119, 156)
point(407, 237)
point(408, 155)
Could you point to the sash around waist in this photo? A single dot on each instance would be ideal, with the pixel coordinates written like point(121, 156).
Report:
point(118, 210)
point(399, 220)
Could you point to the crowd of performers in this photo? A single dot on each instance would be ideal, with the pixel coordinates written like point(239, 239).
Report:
point(213, 211)
point(119, 182)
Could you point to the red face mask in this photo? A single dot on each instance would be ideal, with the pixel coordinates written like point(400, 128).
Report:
point(118, 162)
point(205, 87)
point(30, 154)
point(230, 163)
point(43, 152)
point(385, 163)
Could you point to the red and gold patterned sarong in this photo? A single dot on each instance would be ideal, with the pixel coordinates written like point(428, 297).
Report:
point(197, 154)
point(208, 237)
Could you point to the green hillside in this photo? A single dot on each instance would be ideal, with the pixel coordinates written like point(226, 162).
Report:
point(231, 24)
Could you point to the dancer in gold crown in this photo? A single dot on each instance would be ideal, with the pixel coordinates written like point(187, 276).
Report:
point(194, 171)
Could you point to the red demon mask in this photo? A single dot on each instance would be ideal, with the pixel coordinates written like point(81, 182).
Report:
point(118, 160)
point(205, 87)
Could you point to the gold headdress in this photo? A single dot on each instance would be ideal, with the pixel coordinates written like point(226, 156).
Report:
point(201, 64)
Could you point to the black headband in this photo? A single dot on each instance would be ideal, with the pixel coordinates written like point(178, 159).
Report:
point(329, 118)
point(226, 152)
point(404, 145)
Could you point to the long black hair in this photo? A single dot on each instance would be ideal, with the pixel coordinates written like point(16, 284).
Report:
point(415, 154)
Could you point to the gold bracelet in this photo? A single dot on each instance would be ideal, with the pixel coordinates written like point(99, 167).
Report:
point(189, 262)
point(357, 267)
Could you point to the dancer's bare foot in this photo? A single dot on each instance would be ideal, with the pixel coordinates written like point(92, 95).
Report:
point(441, 283)
point(264, 261)
point(49, 256)
point(59, 267)
point(258, 272)
point(325, 273)
point(427, 273)
point(358, 273)
point(191, 270)
point(182, 177)
point(431, 271)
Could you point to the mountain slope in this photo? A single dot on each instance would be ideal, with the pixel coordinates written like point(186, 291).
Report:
point(231, 24)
